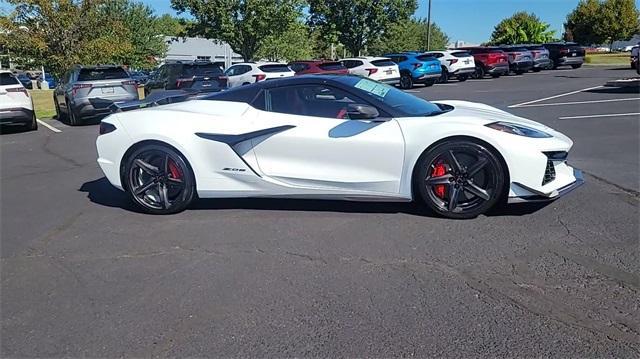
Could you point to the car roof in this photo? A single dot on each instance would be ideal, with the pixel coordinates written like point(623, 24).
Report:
point(367, 58)
point(316, 62)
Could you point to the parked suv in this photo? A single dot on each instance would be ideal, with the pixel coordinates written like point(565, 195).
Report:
point(489, 60)
point(520, 59)
point(565, 54)
point(88, 91)
point(251, 72)
point(203, 76)
point(16, 106)
point(317, 67)
point(540, 57)
point(454, 63)
point(416, 68)
point(377, 68)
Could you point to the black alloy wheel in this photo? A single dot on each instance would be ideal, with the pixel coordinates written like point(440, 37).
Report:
point(159, 180)
point(479, 74)
point(444, 77)
point(406, 82)
point(460, 179)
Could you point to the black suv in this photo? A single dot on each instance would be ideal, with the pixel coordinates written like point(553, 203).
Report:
point(201, 76)
point(565, 54)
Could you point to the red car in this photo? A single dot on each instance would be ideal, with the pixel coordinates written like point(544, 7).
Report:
point(489, 61)
point(317, 67)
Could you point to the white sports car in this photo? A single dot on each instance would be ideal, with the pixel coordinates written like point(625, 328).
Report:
point(333, 137)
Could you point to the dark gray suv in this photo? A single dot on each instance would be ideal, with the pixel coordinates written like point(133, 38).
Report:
point(87, 91)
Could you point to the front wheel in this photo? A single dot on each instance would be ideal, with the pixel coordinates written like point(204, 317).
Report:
point(159, 180)
point(495, 76)
point(406, 82)
point(536, 69)
point(463, 78)
point(460, 179)
point(444, 77)
point(577, 66)
point(429, 83)
point(479, 74)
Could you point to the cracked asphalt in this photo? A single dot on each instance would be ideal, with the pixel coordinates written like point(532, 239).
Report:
point(83, 275)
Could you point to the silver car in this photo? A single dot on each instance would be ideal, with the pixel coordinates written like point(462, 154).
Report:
point(86, 92)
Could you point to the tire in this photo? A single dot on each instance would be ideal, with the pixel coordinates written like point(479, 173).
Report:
point(553, 65)
point(536, 69)
point(444, 77)
point(430, 83)
point(406, 82)
point(495, 76)
point(480, 73)
point(577, 66)
point(466, 170)
point(73, 118)
point(33, 126)
point(159, 180)
point(463, 78)
point(59, 115)
point(519, 72)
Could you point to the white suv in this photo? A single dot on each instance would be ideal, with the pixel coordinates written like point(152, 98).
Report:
point(16, 106)
point(251, 72)
point(377, 68)
point(458, 63)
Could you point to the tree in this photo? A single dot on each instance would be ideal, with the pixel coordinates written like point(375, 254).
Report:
point(58, 34)
point(583, 23)
point(243, 24)
point(294, 43)
point(357, 23)
point(409, 35)
point(594, 22)
point(619, 21)
point(168, 25)
point(521, 28)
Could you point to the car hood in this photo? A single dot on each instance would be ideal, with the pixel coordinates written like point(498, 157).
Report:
point(478, 112)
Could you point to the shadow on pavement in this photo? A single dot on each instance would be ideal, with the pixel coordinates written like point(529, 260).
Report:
point(620, 90)
point(101, 192)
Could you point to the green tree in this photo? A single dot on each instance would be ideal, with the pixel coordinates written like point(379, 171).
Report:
point(168, 25)
point(358, 23)
point(583, 23)
point(619, 21)
point(57, 34)
point(409, 35)
point(243, 24)
point(295, 43)
point(521, 28)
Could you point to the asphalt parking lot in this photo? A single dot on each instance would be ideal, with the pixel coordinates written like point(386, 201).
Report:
point(83, 274)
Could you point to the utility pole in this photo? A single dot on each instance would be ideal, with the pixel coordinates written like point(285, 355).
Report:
point(429, 27)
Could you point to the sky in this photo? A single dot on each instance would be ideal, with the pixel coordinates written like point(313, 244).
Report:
point(471, 21)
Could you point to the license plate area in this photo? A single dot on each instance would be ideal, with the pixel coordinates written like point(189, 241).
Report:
point(107, 90)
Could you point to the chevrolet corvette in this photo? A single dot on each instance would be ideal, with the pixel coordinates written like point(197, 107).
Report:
point(333, 137)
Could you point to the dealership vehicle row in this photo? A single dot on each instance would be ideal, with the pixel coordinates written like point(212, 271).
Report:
point(87, 92)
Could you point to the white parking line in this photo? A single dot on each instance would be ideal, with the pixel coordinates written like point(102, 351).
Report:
point(556, 96)
point(581, 102)
point(596, 116)
point(412, 91)
point(48, 126)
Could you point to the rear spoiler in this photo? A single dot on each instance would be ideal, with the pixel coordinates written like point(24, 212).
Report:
point(157, 99)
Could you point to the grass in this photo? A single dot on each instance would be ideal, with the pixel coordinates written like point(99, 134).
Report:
point(43, 103)
point(620, 58)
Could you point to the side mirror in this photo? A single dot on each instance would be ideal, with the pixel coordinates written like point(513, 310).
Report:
point(362, 112)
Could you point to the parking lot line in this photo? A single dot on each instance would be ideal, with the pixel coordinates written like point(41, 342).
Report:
point(555, 96)
point(596, 116)
point(48, 126)
point(581, 102)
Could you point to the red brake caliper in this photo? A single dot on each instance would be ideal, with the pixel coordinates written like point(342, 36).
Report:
point(175, 171)
point(439, 170)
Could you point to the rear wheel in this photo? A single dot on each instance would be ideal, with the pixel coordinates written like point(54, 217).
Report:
point(519, 72)
point(406, 82)
point(159, 180)
point(59, 115)
point(73, 118)
point(495, 76)
point(553, 65)
point(536, 69)
point(460, 179)
point(34, 123)
point(444, 77)
point(479, 74)
point(430, 82)
point(463, 78)
point(576, 66)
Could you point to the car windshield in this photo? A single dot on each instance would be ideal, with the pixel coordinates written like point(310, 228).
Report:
point(329, 66)
point(7, 79)
point(426, 57)
point(201, 70)
point(407, 104)
point(107, 73)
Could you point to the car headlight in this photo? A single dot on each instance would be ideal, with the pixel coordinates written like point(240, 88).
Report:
point(519, 130)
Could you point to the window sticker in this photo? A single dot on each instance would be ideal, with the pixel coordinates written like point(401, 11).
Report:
point(373, 87)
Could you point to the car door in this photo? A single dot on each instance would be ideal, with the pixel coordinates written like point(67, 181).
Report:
point(321, 148)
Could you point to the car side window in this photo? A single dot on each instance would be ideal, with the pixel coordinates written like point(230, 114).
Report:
point(231, 71)
point(310, 100)
point(298, 66)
